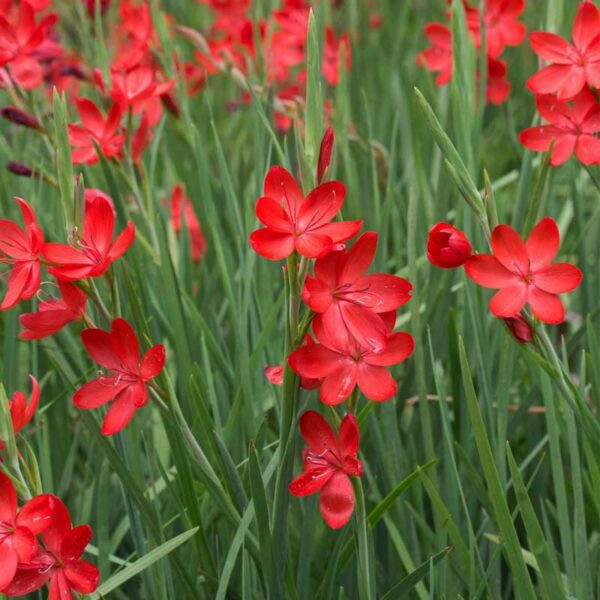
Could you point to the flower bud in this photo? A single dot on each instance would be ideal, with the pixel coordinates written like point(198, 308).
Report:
point(20, 169)
point(20, 117)
point(447, 247)
point(325, 153)
point(520, 328)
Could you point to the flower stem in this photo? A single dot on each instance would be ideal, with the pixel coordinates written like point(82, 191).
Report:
point(366, 581)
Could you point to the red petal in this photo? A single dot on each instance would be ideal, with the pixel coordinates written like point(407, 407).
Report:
point(272, 245)
point(586, 25)
point(509, 301)
point(120, 412)
point(42, 324)
point(313, 245)
point(486, 270)
point(551, 47)
point(349, 437)
point(399, 347)
point(274, 374)
point(24, 543)
point(16, 282)
point(125, 344)
point(99, 345)
point(8, 500)
point(122, 243)
point(315, 361)
point(381, 292)
point(98, 392)
point(311, 481)
point(375, 382)
point(539, 138)
point(326, 268)
point(61, 254)
point(338, 386)
point(509, 249)
point(82, 575)
point(340, 231)
point(272, 215)
point(546, 307)
point(8, 562)
point(567, 80)
point(74, 542)
point(558, 278)
point(282, 187)
point(587, 149)
point(59, 587)
point(364, 325)
point(91, 117)
point(317, 294)
point(563, 148)
point(317, 432)
point(59, 527)
point(36, 515)
point(337, 500)
point(358, 259)
point(542, 244)
point(153, 362)
point(321, 205)
point(99, 224)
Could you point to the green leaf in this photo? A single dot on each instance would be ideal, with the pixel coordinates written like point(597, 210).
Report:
point(64, 166)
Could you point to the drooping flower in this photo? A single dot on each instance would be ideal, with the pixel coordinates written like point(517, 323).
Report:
point(349, 300)
point(524, 273)
point(572, 128)
point(342, 363)
point(329, 462)
point(572, 65)
point(52, 315)
point(95, 129)
point(18, 529)
point(59, 562)
point(96, 250)
point(21, 249)
point(447, 247)
point(125, 387)
point(294, 222)
point(190, 221)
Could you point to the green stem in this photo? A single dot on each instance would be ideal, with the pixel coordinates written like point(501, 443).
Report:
point(365, 579)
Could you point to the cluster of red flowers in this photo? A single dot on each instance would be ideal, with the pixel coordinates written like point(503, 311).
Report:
point(566, 91)
point(25, 564)
point(522, 272)
point(502, 29)
point(278, 42)
point(353, 317)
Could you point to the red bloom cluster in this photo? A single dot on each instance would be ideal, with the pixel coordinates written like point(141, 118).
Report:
point(282, 49)
point(502, 29)
point(353, 317)
point(523, 272)
point(26, 565)
point(564, 91)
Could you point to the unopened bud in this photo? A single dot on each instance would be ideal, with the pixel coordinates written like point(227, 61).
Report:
point(325, 153)
point(20, 117)
point(520, 328)
point(20, 169)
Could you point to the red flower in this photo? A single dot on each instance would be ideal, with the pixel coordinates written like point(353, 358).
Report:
point(197, 241)
point(59, 562)
point(520, 328)
point(21, 248)
point(275, 373)
point(447, 247)
point(572, 65)
point(19, 41)
point(523, 272)
point(137, 85)
point(293, 222)
point(571, 127)
point(55, 313)
point(329, 461)
point(325, 151)
point(497, 88)
point(351, 301)
point(342, 363)
point(118, 352)
point(501, 23)
point(18, 529)
point(96, 251)
point(438, 57)
point(95, 129)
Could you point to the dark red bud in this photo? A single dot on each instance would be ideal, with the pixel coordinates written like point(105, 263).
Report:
point(325, 153)
point(520, 329)
point(447, 247)
point(20, 169)
point(170, 104)
point(20, 117)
